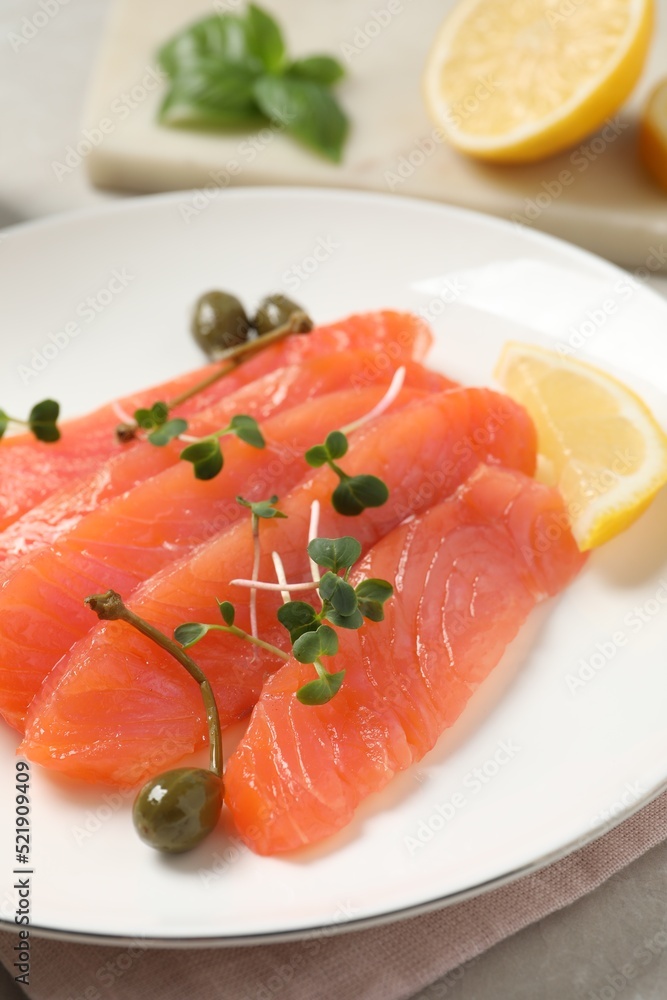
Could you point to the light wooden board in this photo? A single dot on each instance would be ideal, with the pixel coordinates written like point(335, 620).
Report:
point(596, 195)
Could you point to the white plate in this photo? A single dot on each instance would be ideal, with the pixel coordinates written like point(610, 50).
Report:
point(576, 755)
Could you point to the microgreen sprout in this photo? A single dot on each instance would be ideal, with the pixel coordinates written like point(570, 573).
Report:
point(42, 421)
point(355, 493)
point(206, 454)
point(191, 633)
point(259, 509)
point(157, 418)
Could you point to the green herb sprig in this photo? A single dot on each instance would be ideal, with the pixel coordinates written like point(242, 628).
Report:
point(354, 493)
point(42, 421)
point(310, 630)
point(233, 71)
point(206, 455)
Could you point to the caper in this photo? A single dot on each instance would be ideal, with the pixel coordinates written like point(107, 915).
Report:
point(274, 311)
point(219, 321)
point(174, 811)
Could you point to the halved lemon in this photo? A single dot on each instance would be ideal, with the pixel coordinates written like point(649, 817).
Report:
point(518, 80)
point(603, 447)
point(653, 134)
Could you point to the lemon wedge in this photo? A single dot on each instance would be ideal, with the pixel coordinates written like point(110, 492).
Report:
point(517, 81)
point(653, 134)
point(600, 443)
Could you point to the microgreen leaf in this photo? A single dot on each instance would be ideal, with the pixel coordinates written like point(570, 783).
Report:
point(262, 508)
point(42, 421)
point(319, 69)
point(334, 553)
point(322, 690)
point(355, 493)
point(298, 618)
point(247, 429)
point(311, 645)
point(4, 423)
point(190, 633)
point(372, 595)
point(307, 110)
point(317, 456)
point(374, 590)
point(338, 593)
point(206, 457)
point(353, 621)
point(336, 444)
point(167, 432)
point(265, 39)
point(227, 611)
point(151, 419)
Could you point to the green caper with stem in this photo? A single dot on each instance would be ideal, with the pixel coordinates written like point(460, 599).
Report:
point(176, 810)
point(273, 311)
point(219, 322)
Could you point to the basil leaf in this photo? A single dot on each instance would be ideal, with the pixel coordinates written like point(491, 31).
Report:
point(264, 39)
point(222, 38)
point(4, 423)
point(319, 69)
point(211, 96)
point(307, 110)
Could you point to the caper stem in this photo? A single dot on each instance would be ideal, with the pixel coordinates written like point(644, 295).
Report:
point(110, 607)
point(298, 322)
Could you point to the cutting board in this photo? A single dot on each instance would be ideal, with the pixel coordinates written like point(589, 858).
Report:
point(595, 195)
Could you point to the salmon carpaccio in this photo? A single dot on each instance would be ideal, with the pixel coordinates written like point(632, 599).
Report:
point(264, 397)
point(116, 705)
point(138, 533)
point(466, 575)
point(31, 470)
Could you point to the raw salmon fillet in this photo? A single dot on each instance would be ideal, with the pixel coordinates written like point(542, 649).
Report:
point(117, 705)
point(30, 470)
point(138, 533)
point(466, 575)
point(264, 397)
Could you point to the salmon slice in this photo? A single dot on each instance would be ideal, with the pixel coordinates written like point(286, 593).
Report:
point(116, 705)
point(264, 397)
point(30, 470)
point(138, 533)
point(467, 573)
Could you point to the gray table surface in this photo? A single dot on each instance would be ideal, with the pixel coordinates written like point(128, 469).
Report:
point(593, 950)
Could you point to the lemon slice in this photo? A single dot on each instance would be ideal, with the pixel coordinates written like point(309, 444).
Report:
point(603, 446)
point(653, 134)
point(517, 81)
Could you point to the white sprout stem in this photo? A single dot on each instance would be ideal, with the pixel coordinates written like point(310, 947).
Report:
point(255, 574)
point(282, 579)
point(312, 533)
point(284, 587)
point(121, 413)
point(390, 395)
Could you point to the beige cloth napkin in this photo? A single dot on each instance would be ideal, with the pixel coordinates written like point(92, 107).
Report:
point(391, 962)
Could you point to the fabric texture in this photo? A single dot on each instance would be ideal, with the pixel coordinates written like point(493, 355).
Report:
point(390, 962)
